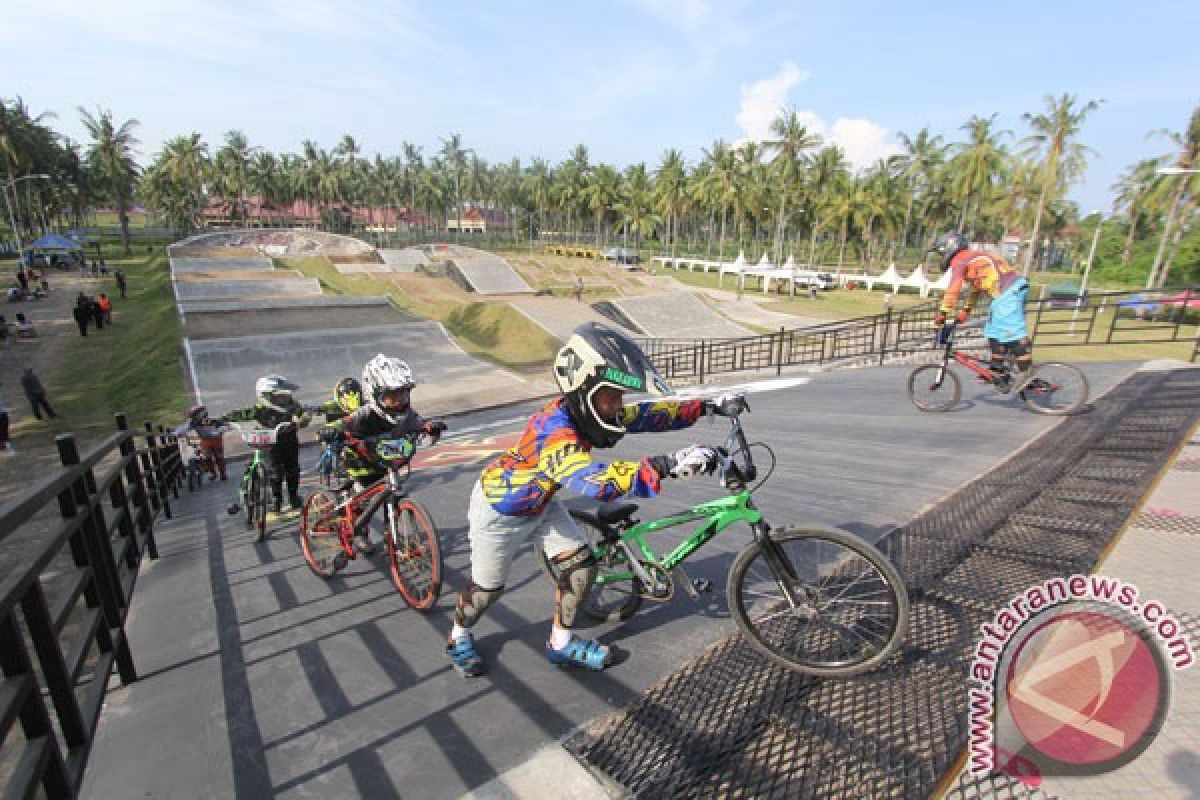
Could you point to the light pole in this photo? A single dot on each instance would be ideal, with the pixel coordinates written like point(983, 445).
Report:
point(1087, 270)
point(13, 220)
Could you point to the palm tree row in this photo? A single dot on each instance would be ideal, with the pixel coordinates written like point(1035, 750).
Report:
point(791, 195)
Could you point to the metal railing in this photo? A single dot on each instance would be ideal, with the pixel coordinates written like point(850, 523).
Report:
point(1109, 318)
point(68, 580)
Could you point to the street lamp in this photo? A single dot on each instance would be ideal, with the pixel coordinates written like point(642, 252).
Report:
point(1087, 270)
point(13, 220)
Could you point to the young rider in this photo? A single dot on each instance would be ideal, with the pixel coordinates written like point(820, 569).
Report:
point(1005, 329)
point(387, 385)
point(276, 405)
point(515, 498)
point(209, 431)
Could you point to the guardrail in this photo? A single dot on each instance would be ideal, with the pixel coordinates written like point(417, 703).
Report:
point(1108, 318)
point(66, 585)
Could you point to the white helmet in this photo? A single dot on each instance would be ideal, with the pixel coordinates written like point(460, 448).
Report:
point(384, 374)
point(274, 391)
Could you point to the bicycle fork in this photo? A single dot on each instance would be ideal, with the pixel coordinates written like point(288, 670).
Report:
point(781, 568)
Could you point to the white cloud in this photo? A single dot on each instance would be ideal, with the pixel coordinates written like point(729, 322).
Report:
point(763, 100)
point(862, 140)
point(709, 25)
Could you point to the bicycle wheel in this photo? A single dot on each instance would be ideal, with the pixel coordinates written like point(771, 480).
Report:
point(615, 595)
point(1055, 388)
point(261, 499)
point(927, 394)
point(320, 533)
point(414, 554)
point(249, 492)
point(851, 612)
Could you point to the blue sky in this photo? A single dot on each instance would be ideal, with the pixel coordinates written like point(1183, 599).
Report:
point(629, 78)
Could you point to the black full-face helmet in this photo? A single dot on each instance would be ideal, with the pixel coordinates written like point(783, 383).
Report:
point(594, 357)
point(348, 395)
point(948, 245)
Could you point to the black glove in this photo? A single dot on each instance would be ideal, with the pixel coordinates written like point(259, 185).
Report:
point(435, 428)
point(329, 435)
point(660, 464)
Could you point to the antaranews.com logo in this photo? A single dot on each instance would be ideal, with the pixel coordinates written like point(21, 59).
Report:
point(1072, 677)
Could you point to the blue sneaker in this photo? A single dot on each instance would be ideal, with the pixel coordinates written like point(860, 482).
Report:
point(578, 652)
point(464, 656)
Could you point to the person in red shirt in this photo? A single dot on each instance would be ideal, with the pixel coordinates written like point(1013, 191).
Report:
point(1005, 330)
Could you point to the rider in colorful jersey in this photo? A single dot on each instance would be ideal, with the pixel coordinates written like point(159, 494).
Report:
point(1008, 289)
point(387, 384)
point(209, 432)
point(515, 497)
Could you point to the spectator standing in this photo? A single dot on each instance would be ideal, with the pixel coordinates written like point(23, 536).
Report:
point(105, 306)
point(120, 276)
point(22, 281)
point(36, 394)
point(97, 314)
point(82, 312)
point(5, 444)
point(579, 288)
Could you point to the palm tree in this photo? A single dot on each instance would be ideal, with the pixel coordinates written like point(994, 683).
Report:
point(233, 172)
point(111, 156)
point(922, 156)
point(828, 175)
point(636, 204)
point(1183, 200)
point(601, 195)
point(1062, 159)
point(668, 189)
point(1133, 190)
point(790, 147)
point(977, 164)
point(456, 162)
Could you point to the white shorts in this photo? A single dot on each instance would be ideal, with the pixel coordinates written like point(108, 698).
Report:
point(495, 538)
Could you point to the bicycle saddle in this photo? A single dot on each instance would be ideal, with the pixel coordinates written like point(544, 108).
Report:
point(604, 517)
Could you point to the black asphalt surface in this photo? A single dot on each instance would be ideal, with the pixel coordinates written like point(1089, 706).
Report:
point(259, 679)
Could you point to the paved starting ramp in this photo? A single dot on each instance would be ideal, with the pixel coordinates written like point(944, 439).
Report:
point(209, 266)
point(224, 370)
point(200, 291)
point(487, 273)
point(677, 316)
point(219, 320)
point(559, 316)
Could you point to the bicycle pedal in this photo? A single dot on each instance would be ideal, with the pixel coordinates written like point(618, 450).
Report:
point(340, 561)
point(702, 585)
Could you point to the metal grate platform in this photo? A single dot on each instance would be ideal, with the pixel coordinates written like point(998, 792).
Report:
point(1172, 523)
point(731, 725)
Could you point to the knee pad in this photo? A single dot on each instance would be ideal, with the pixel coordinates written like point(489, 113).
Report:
point(576, 574)
point(472, 602)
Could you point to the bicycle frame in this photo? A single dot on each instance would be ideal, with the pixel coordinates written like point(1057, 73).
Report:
point(721, 514)
point(973, 363)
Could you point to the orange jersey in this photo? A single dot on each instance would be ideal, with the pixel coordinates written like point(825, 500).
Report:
point(982, 271)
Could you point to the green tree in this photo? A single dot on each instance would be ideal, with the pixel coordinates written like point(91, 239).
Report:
point(111, 157)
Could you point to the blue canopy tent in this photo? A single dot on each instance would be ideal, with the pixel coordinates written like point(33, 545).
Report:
point(54, 241)
point(58, 246)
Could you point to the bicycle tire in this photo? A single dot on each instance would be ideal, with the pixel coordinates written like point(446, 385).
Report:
point(260, 501)
point(248, 493)
point(1070, 383)
point(924, 396)
point(607, 601)
point(776, 642)
point(320, 537)
point(414, 554)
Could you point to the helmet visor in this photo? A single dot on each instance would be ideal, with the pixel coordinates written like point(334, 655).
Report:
point(625, 365)
point(395, 399)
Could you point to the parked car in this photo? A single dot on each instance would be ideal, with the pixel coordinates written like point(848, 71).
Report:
point(821, 280)
point(621, 255)
point(1186, 299)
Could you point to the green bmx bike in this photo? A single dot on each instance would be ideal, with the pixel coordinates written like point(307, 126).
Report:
point(820, 602)
point(253, 492)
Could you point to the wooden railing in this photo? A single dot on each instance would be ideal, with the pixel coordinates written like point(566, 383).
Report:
point(66, 582)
